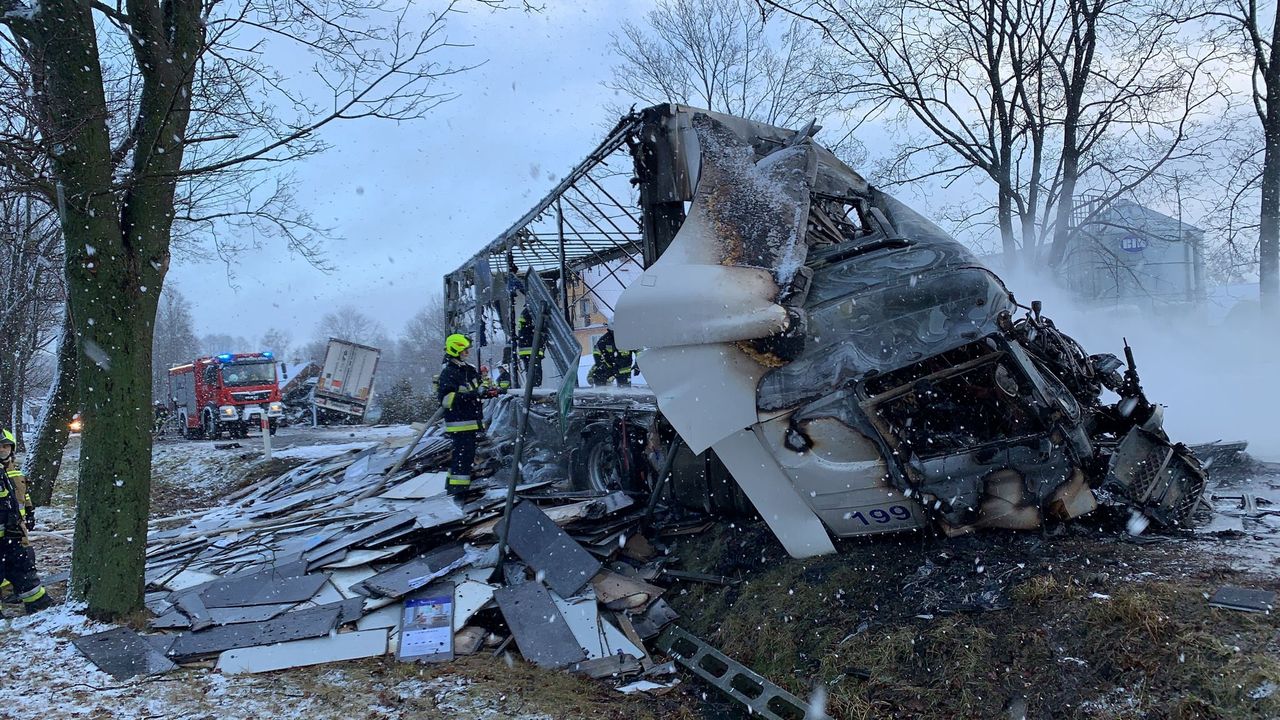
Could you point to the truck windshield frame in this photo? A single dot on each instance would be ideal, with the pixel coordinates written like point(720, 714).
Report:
point(245, 374)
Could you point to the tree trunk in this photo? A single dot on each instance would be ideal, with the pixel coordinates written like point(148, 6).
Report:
point(113, 322)
point(8, 379)
point(108, 557)
point(1066, 196)
point(1269, 225)
point(1269, 220)
point(43, 462)
point(1005, 216)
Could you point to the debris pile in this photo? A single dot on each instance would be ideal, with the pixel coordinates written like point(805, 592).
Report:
point(341, 559)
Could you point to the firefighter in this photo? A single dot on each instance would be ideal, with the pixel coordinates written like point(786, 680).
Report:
point(611, 363)
point(17, 516)
point(504, 378)
point(459, 393)
point(524, 348)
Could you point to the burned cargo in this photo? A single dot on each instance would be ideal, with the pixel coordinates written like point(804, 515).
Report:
point(854, 368)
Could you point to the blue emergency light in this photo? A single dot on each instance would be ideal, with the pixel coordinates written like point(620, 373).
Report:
point(224, 357)
point(267, 354)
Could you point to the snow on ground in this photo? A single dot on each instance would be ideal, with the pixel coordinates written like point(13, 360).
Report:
point(316, 452)
point(58, 682)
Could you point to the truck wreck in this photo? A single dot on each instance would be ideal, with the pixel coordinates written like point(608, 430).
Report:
point(852, 367)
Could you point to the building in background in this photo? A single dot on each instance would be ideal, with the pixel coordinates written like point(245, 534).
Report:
point(1128, 254)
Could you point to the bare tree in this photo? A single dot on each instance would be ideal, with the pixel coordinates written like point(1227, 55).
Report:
point(1256, 32)
point(218, 343)
point(143, 106)
point(1038, 97)
point(720, 55)
point(277, 341)
point(45, 456)
point(419, 352)
point(174, 341)
point(348, 323)
point(31, 296)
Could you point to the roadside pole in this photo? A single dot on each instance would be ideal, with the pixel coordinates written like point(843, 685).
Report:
point(266, 435)
point(521, 431)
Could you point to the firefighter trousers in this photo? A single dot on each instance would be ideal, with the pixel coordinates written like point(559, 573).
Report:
point(464, 456)
point(18, 566)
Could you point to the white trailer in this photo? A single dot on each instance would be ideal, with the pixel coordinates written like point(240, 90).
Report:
point(345, 384)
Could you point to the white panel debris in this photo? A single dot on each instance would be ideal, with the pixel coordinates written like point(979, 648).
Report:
point(788, 515)
point(300, 653)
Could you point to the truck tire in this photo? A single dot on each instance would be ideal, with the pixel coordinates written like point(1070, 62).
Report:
point(210, 427)
point(595, 462)
point(273, 425)
point(188, 432)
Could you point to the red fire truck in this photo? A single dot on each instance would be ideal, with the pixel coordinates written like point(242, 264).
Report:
point(226, 393)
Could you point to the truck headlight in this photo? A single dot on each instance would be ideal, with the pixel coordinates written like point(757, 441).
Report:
point(227, 411)
point(275, 408)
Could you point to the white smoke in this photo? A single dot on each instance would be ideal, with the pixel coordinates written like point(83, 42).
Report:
point(1219, 379)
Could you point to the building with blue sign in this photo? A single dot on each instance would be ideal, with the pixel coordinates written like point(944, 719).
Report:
point(1129, 254)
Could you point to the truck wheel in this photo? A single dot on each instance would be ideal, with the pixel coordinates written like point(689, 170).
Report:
point(273, 427)
point(210, 427)
point(595, 464)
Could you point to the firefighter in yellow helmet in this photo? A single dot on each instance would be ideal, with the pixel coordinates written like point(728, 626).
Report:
point(459, 392)
point(17, 516)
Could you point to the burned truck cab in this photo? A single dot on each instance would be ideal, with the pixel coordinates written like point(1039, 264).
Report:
point(869, 374)
point(906, 358)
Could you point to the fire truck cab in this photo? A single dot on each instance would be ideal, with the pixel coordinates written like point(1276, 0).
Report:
point(228, 393)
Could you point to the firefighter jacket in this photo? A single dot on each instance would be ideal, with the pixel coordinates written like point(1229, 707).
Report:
point(524, 335)
point(459, 394)
point(611, 360)
point(14, 500)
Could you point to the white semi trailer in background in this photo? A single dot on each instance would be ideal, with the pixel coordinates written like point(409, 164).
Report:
point(344, 387)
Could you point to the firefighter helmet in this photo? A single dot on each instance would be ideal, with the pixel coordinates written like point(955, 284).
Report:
point(455, 344)
point(8, 438)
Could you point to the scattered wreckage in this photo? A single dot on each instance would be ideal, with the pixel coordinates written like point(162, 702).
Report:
point(364, 555)
point(851, 367)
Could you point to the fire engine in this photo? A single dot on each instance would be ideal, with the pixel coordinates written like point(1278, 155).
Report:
point(225, 393)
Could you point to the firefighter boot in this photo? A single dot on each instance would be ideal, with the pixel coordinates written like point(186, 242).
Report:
point(36, 600)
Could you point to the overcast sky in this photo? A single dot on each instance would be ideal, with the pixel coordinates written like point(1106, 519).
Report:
point(412, 201)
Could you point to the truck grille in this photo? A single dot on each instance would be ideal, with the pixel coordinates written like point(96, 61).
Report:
point(250, 396)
